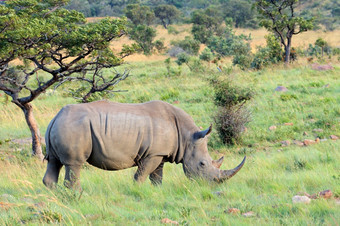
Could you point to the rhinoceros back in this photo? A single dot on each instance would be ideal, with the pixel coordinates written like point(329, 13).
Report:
point(112, 136)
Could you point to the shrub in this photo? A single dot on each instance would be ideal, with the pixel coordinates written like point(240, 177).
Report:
point(159, 45)
point(189, 45)
point(243, 61)
point(230, 123)
point(232, 113)
point(182, 58)
point(228, 95)
point(206, 55)
point(271, 54)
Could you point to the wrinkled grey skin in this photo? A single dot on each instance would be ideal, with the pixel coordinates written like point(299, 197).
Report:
point(115, 136)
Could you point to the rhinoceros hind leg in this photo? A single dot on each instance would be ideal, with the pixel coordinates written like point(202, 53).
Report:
point(146, 167)
point(72, 174)
point(52, 173)
point(157, 175)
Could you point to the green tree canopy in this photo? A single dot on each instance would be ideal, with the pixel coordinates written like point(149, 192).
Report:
point(205, 24)
point(281, 18)
point(166, 14)
point(139, 14)
point(58, 45)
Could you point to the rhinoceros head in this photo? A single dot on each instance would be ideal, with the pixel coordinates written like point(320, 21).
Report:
point(198, 163)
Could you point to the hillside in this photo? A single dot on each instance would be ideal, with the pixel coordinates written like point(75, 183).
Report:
point(326, 13)
point(278, 167)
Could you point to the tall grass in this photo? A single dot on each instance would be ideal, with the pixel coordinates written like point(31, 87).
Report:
point(270, 178)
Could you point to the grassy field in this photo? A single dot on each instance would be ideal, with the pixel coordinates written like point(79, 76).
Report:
point(272, 175)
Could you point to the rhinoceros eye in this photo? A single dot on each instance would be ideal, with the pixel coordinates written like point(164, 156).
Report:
point(203, 163)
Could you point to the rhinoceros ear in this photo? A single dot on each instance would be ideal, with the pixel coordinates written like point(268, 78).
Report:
point(202, 134)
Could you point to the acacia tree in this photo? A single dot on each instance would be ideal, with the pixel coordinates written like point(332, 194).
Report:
point(139, 14)
point(58, 45)
point(280, 17)
point(167, 14)
point(206, 23)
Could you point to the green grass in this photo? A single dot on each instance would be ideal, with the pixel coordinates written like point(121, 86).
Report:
point(270, 178)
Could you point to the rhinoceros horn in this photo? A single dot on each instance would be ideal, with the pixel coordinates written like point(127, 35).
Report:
point(226, 174)
point(218, 163)
point(202, 134)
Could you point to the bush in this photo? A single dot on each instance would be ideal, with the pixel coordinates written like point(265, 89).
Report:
point(232, 114)
point(182, 58)
point(159, 45)
point(230, 123)
point(243, 61)
point(206, 55)
point(271, 54)
point(189, 45)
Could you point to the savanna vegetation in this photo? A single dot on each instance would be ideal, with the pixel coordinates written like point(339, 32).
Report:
point(283, 117)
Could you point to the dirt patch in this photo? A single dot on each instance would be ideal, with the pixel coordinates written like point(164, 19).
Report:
point(26, 141)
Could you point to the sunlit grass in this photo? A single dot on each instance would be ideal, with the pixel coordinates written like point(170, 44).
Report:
point(270, 178)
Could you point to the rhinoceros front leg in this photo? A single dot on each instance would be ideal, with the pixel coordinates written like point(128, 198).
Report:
point(157, 175)
point(146, 167)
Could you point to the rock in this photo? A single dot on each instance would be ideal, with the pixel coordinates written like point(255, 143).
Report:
point(305, 133)
point(337, 201)
point(271, 128)
point(168, 221)
point(218, 193)
point(326, 86)
point(285, 143)
point(281, 89)
point(319, 67)
point(308, 142)
point(298, 143)
point(233, 211)
point(301, 199)
point(249, 214)
point(288, 124)
point(7, 197)
point(318, 130)
point(326, 194)
point(333, 137)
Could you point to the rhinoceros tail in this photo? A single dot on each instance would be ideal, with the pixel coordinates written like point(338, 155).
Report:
point(47, 139)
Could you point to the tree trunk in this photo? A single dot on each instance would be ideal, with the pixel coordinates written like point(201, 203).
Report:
point(32, 124)
point(287, 50)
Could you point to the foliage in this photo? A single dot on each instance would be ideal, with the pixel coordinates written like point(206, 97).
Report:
point(205, 25)
point(229, 44)
point(52, 40)
point(144, 36)
point(232, 114)
point(206, 55)
point(166, 14)
point(159, 46)
point(189, 45)
point(139, 14)
point(280, 17)
point(271, 54)
point(241, 12)
point(269, 169)
point(182, 58)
